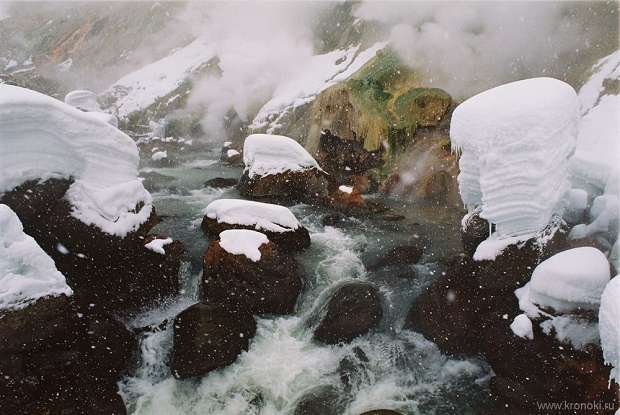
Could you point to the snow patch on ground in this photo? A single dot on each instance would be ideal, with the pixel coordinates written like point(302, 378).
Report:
point(262, 216)
point(515, 142)
point(522, 326)
point(157, 245)
point(27, 273)
point(243, 242)
point(44, 138)
point(346, 189)
point(265, 154)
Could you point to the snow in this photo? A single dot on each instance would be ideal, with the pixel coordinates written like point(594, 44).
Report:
point(346, 189)
point(322, 72)
point(44, 138)
point(568, 281)
point(157, 245)
point(516, 140)
point(262, 216)
point(265, 154)
point(609, 326)
point(579, 332)
point(159, 155)
point(140, 89)
point(243, 242)
point(576, 205)
point(522, 326)
point(27, 273)
point(83, 100)
point(231, 153)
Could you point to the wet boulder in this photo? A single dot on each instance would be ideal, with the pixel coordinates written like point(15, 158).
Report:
point(279, 168)
point(221, 182)
point(275, 221)
point(398, 255)
point(266, 284)
point(321, 400)
point(353, 310)
point(231, 155)
point(209, 337)
point(474, 230)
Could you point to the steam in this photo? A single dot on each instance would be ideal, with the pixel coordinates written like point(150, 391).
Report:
point(258, 47)
point(467, 47)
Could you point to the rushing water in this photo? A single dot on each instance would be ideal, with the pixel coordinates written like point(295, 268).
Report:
point(389, 369)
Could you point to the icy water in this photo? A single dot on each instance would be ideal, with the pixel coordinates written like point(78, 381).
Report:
point(397, 369)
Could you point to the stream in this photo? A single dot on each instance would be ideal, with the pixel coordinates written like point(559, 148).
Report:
point(390, 368)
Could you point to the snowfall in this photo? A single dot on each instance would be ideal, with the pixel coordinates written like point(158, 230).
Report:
point(27, 273)
point(44, 138)
point(261, 216)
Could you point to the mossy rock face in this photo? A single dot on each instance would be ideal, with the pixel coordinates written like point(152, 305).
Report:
point(383, 102)
point(426, 106)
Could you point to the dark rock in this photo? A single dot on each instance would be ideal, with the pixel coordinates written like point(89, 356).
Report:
point(321, 400)
point(232, 156)
point(269, 286)
point(381, 412)
point(333, 219)
point(308, 186)
point(295, 240)
point(345, 158)
point(220, 182)
point(475, 230)
point(352, 369)
point(392, 217)
point(115, 274)
point(399, 255)
point(60, 359)
point(209, 337)
point(469, 308)
point(353, 310)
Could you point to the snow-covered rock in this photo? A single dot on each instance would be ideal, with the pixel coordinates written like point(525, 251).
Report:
point(516, 140)
point(267, 154)
point(345, 189)
point(576, 331)
point(157, 245)
point(83, 100)
point(609, 326)
point(322, 72)
point(568, 281)
point(159, 155)
point(243, 242)
point(44, 138)
point(522, 326)
point(27, 273)
point(140, 89)
point(262, 216)
point(598, 146)
point(277, 222)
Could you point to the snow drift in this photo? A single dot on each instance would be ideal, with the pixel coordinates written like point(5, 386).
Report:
point(516, 140)
point(266, 154)
point(27, 273)
point(609, 326)
point(43, 138)
point(262, 216)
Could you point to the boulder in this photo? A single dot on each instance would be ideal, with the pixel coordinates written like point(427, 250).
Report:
point(345, 158)
point(353, 310)
point(474, 230)
point(277, 222)
point(221, 182)
point(398, 255)
point(113, 273)
point(308, 186)
point(321, 400)
point(209, 337)
point(270, 285)
point(58, 358)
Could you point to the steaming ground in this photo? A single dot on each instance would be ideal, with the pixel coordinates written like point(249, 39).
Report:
point(404, 371)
